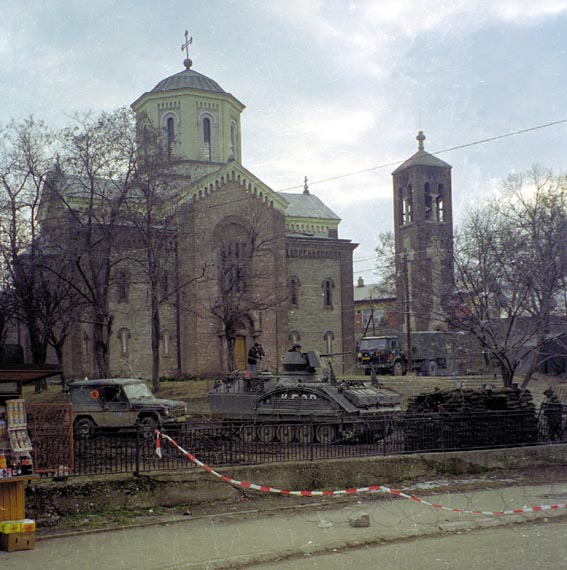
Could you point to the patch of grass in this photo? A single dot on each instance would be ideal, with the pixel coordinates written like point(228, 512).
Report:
point(185, 390)
point(194, 389)
point(53, 394)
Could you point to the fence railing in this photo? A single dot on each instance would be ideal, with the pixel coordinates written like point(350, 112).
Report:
point(131, 451)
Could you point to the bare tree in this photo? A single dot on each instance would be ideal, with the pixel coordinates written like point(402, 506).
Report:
point(511, 265)
point(84, 203)
point(26, 156)
point(386, 264)
point(150, 212)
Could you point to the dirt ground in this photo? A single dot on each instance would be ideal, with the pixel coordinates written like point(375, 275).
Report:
point(252, 504)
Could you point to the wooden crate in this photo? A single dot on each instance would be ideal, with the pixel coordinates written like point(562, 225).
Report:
point(17, 541)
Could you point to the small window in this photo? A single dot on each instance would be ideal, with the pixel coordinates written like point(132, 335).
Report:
point(329, 338)
point(439, 205)
point(164, 286)
point(207, 138)
point(166, 339)
point(428, 203)
point(113, 394)
point(328, 286)
point(124, 337)
point(293, 286)
point(170, 135)
point(233, 140)
point(408, 206)
point(294, 337)
point(122, 288)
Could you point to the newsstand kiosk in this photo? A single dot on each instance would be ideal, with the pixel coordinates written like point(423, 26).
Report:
point(16, 467)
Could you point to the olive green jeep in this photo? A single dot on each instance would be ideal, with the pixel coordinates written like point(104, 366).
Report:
point(120, 403)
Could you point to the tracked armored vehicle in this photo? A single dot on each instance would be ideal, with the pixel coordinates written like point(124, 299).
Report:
point(302, 405)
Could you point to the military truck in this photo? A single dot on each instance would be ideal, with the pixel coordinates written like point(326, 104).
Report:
point(433, 353)
point(120, 403)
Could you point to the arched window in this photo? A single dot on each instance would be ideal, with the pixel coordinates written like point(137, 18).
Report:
point(439, 208)
point(207, 138)
point(86, 343)
point(407, 206)
point(166, 343)
point(124, 337)
point(328, 286)
point(293, 287)
point(122, 288)
point(401, 207)
point(294, 337)
point(428, 204)
point(170, 125)
point(233, 140)
point(439, 204)
point(234, 258)
point(164, 285)
point(145, 138)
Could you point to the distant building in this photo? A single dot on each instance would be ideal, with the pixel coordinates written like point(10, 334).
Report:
point(374, 314)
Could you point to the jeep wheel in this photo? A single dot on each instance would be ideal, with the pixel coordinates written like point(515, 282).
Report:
point(397, 369)
point(84, 428)
point(148, 425)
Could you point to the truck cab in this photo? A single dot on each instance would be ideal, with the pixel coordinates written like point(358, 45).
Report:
point(383, 353)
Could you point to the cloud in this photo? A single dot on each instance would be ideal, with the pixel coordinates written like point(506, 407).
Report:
point(369, 35)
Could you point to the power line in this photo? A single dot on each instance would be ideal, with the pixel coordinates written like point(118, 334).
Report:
point(458, 147)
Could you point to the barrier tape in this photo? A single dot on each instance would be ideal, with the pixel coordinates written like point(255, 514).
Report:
point(353, 491)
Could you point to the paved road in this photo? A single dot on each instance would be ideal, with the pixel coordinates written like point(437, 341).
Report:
point(530, 546)
point(291, 538)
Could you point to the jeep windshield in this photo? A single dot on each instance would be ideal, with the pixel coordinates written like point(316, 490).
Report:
point(372, 344)
point(137, 392)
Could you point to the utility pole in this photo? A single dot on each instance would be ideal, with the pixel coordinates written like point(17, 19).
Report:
point(177, 307)
point(408, 316)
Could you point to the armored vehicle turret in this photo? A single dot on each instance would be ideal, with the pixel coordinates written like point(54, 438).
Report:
point(301, 404)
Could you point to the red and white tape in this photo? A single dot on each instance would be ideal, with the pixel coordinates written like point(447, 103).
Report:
point(353, 491)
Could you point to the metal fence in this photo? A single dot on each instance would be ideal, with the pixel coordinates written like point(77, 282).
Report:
point(129, 451)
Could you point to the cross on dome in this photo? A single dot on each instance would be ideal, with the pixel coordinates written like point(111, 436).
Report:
point(188, 41)
point(420, 138)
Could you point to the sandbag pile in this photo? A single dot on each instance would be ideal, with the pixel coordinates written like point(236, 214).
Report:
point(470, 419)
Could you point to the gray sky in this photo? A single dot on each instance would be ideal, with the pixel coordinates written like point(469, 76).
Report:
point(331, 87)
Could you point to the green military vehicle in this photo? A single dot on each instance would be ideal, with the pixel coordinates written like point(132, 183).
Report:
point(434, 353)
point(120, 403)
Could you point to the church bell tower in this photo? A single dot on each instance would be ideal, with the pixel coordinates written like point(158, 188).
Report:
point(423, 231)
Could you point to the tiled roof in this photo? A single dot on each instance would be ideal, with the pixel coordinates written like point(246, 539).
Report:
point(307, 206)
point(188, 79)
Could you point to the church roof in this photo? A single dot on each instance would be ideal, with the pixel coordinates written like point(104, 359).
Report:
point(306, 205)
point(421, 158)
point(188, 79)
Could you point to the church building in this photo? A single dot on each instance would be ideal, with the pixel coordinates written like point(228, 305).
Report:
point(247, 264)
